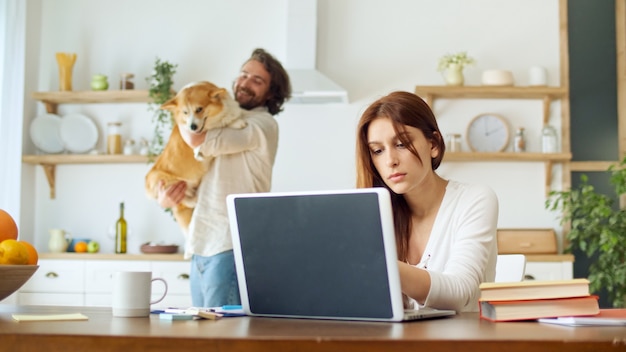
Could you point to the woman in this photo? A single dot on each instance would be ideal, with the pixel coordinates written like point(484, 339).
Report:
point(445, 230)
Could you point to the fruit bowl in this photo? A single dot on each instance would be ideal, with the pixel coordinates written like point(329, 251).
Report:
point(12, 277)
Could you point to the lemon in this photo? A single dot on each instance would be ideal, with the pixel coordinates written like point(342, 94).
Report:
point(13, 252)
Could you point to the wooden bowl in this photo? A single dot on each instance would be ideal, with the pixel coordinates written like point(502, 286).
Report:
point(158, 248)
point(12, 277)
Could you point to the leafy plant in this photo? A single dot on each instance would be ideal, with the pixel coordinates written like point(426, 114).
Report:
point(460, 58)
point(160, 91)
point(598, 229)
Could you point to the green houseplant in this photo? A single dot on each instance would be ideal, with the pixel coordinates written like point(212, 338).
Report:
point(160, 91)
point(597, 229)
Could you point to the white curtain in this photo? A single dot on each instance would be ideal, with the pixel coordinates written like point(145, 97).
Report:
point(12, 53)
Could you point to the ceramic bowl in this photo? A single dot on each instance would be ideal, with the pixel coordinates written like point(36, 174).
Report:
point(12, 277)
point(497, 78)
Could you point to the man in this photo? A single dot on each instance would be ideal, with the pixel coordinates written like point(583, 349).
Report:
point(243, 163)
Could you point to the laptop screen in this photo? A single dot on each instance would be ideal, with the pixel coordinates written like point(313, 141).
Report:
point(313, 255)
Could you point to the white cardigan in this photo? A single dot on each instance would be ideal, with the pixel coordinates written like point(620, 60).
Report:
point(462, 248)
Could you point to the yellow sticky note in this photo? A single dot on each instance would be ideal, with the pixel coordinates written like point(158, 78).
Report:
point(49, 317)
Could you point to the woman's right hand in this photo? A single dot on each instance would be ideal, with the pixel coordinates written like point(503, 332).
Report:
point(171, 196)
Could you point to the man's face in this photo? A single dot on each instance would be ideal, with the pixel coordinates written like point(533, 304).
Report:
point(252, 87)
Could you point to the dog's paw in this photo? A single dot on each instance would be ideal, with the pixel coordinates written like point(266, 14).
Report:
point(239, 124)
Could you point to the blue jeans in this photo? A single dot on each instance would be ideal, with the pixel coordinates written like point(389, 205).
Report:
point(213, 280)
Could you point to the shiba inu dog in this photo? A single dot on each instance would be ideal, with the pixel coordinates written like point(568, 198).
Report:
point(198, 107)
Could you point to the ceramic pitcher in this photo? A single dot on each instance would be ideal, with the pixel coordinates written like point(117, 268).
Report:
point(454, 75)
point(59, 240)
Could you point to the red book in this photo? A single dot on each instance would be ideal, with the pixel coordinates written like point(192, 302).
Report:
point(538, 308)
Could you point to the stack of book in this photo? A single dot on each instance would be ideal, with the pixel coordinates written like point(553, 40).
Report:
point(526, 300)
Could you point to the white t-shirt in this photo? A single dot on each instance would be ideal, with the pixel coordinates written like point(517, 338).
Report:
point(462, 249)
point(243, 162)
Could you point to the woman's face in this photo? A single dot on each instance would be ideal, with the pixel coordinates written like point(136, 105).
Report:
point(400, 169)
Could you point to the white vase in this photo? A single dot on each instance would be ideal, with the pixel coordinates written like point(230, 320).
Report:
point(454, 75)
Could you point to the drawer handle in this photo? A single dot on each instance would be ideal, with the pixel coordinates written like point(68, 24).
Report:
point(183, 277)
point(525, 244)
point(529, 277)
point(52, 275)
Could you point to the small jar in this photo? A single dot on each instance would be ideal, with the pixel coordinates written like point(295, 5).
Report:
point(548, 139)
point(519, 145)
point(143, 147)
point(114, 138)
point(126, 82)
point(129, 147)
point(99, 82)
point(454, 142)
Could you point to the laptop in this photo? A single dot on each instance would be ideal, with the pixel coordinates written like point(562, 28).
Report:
point(319, 255)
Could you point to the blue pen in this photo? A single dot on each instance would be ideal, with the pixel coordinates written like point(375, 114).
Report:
point(232, 307)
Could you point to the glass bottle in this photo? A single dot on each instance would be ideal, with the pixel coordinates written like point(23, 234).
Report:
point(548, 139)
point(454, 142)
point(519, 145)
point(114, 138)
point(120, 232)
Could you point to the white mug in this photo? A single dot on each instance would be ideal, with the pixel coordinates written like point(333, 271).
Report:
point(537, 76)
point(132, 291)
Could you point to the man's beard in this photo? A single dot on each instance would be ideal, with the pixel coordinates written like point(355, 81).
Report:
point(251, 100)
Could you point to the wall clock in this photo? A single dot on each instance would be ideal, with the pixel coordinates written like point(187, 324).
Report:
point(488, 133)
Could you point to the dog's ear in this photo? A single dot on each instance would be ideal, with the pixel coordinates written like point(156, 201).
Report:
point(220, 93)
point(170, 105)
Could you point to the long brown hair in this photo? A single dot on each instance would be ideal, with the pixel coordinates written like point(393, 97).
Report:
point(403, 109)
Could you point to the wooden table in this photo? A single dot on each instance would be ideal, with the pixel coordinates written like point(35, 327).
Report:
point(464, 332)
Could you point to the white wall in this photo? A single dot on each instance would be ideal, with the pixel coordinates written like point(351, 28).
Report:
point(371, 47)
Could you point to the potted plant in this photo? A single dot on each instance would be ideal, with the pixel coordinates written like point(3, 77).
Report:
point(453, 65)
point(597, 229)
point(160, 91)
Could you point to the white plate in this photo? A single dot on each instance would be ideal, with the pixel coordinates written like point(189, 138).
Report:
point(44, 132)
point(78, 133)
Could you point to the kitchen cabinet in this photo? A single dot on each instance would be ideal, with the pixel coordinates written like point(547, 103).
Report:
point(55, 283)
point(52, 99)
point(547, 94)
point(88, 282)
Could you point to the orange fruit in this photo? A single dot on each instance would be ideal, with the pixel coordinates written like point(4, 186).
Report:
point(80, 247)
point(33, 256)
point(8, 227)
point(13, 252)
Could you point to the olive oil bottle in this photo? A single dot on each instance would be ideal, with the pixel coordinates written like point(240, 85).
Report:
point(120, 232)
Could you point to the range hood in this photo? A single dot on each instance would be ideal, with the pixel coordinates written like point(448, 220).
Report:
point(309, 86)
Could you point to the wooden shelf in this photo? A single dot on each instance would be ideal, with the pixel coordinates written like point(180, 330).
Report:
point(547, 94)
point(53, 99)
point(592, 166)
point(491, 92)
point(50, 161)
point(471, 156)
point(547, 158)
point(53, 159)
